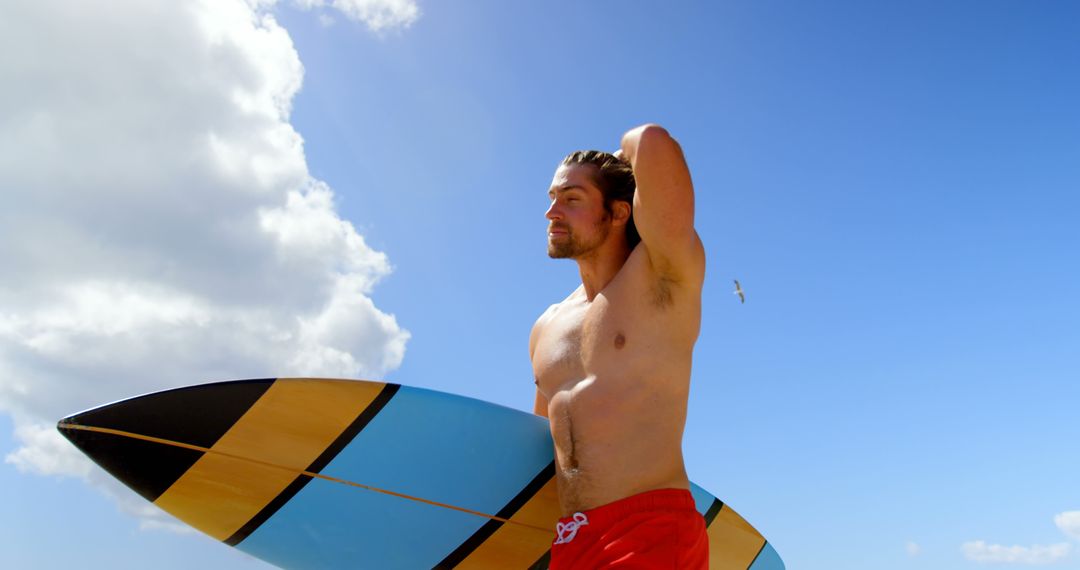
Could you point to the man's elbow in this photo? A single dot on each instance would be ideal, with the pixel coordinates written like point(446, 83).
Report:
point(654, 131)
point(649, 134)
point(654, 140)
point(649, 138)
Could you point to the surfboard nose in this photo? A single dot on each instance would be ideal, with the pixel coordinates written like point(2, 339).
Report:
point(120, 437)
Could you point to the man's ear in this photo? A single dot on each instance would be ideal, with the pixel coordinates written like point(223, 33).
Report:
point(620, 212)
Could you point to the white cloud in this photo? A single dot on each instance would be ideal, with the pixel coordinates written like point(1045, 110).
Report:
point(980, 551)
point(377, 15)
point(913, 549)
point(158, 225)
point(46, 452)
point(1069, 523)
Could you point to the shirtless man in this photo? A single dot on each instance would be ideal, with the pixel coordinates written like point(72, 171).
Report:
point(612, 360)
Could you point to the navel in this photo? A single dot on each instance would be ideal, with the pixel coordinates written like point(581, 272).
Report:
point(620, 340)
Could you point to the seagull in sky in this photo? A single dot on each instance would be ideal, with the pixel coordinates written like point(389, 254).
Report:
point(738, 291)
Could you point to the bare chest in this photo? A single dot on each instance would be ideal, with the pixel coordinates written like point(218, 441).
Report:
point(583, 341)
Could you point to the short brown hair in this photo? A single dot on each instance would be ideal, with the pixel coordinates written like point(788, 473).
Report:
point(615, 179)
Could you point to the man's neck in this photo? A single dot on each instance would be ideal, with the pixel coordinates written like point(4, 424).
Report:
point(601, 266)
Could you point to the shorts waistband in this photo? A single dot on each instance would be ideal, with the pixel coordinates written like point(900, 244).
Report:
point(658, 500)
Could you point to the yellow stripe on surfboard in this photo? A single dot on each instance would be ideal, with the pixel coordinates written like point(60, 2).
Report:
point(515, 545)
point(735, 543)
point(221, 492)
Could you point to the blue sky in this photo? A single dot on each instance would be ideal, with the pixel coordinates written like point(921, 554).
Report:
point(895, 186)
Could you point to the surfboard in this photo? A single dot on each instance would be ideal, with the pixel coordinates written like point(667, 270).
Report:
point(323, 473)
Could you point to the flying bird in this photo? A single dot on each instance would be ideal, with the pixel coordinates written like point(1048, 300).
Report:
point(738, 291)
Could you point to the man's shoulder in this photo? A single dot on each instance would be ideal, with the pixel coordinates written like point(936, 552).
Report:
point(553, 309)
point(546, 315)
point(542, 321)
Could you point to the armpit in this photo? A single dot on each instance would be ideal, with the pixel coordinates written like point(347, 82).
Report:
point(661, 292)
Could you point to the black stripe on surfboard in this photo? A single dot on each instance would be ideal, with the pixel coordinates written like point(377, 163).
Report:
point(714, 509)
point(484, 532)
point(198, 415)
point(756, 556)
point(316, 466)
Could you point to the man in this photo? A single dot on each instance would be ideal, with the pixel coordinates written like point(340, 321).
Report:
point(612, 360)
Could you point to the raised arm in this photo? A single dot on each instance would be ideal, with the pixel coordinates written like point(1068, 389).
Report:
point(664, 203)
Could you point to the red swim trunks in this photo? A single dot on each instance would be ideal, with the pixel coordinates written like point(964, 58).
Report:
point(657, 529)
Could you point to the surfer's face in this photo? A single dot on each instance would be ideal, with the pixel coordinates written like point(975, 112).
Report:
point(577, 220)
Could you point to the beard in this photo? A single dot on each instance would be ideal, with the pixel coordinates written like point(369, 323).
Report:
point(572, 247)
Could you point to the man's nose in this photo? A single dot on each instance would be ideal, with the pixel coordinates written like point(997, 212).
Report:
point(553, 212)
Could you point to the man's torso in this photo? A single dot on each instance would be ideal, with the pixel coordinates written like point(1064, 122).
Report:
point(616, 374)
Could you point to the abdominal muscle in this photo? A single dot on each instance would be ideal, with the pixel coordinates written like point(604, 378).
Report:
point(616, 437)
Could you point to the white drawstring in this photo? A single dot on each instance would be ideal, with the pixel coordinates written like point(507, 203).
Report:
point(567, 531)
